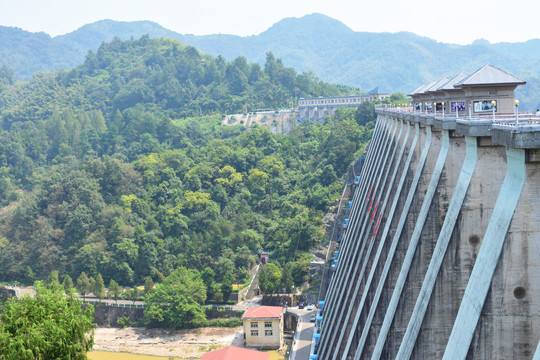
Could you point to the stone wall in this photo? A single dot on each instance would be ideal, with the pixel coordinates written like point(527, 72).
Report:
point(105, 315)
point(5, 294)
point(280, 300)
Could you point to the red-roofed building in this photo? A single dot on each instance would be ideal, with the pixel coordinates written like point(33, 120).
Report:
point(263, 327)
point(235, 353)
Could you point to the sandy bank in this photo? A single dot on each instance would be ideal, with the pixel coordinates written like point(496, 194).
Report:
point(181, 343)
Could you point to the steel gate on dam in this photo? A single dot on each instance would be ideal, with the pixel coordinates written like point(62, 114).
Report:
point(441, 256)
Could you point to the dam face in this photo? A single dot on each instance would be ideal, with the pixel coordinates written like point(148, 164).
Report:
point(441, 256)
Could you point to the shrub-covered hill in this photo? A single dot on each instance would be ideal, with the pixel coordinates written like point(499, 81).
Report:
point(102, 172)
point(161, 75)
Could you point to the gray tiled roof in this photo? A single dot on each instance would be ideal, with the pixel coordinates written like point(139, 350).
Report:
point(450, 84)
point(376, 91)
point(489, 75)
point(415, 91)
point(436, 86)
point(421, 89)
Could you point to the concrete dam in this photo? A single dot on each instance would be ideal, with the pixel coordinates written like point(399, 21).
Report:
point(441, 256)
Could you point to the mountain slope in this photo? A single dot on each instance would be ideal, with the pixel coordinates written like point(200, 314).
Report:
point(27, 53)
point(126, 172)
point(335, 53)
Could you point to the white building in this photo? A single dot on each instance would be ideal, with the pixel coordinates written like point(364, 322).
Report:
point(263, 327)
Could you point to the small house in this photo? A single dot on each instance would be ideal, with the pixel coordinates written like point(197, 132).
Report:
point(263, 327)
point(263, 256)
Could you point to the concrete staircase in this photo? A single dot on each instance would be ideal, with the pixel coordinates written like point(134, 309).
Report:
point(254, 283)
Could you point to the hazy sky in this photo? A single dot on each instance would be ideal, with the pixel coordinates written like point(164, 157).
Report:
point(456, 21)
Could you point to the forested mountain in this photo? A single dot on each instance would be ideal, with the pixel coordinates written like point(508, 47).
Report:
point(317, 43)
point(27, 53)
point(121, 167)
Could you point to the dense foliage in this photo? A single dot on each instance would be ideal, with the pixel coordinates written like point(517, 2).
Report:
point(50, 325)
point(103, 175)
point(213, 205)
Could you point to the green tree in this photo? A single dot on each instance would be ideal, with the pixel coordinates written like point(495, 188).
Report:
point(176, 303)
point(241, 275)
point(29, 274)
point(99, 287)
point(286, 279)
point(114, 290)
point(300, 269)
point(6, 75)
point(269, 278)
point(224, 265)
point(134, 294)
point(67, 283)
point(257, 181)
point(83, 285)
point(208, 277)
point(227, 285)
point(365, 113)
point(148, 285)
point(397, 99)
point(50, 325)
point(218, 297)
point(52, 279)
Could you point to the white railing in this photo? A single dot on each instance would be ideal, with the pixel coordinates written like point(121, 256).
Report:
point(523, 120)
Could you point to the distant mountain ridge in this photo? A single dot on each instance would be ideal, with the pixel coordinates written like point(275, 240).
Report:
point(335, 53)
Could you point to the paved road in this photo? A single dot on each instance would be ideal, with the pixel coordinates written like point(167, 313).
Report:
point(303, 336)
point(243, 305)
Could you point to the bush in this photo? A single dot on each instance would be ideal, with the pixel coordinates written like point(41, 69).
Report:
point(123, 321)
point(218, 297)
